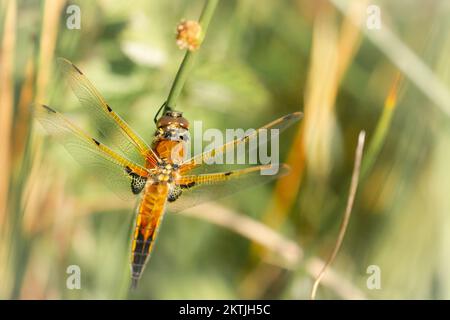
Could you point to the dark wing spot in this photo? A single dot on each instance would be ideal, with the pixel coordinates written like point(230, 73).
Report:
point(188, 185)
point(96, 142)
point(244, 138)
point(229, 173)
point(128, 169)
point(109, 108)
point(48, 108)
point(76, 68)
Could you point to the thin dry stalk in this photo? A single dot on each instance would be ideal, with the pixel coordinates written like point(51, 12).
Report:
point(348, 211)
point(333, 280)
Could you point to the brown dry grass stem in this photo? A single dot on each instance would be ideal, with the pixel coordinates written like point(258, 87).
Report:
point(47, 45)
point(14, 133)
point(49, 33)
point(23, 118)
point(6, 102)
point(8, 46)
point(348, 210)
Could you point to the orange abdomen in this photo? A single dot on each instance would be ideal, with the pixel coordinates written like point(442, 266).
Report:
point(149, 217)
point(171, 151)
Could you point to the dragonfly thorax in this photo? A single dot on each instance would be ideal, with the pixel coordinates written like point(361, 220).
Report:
point(170, 150)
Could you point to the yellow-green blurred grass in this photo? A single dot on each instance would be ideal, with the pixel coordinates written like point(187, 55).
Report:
point(48, 36)
point(383, 125)
point(416, 232)
point(6, 101)
point(16, 159)
point(330, 57)
point(6, 114)
point(60, 227)
point(331, 54)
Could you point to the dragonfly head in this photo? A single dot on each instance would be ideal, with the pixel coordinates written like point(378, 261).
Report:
point(173, 126)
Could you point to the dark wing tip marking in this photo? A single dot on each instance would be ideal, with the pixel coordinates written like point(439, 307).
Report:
point(108, 107)
point(95, 141)
point(229, 173)
point(128, 170)
point(48, 108)
point(289, 116)
point(294, 115)
point(76, 68)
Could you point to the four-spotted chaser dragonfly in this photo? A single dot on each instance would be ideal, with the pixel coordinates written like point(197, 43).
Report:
point(159, 174)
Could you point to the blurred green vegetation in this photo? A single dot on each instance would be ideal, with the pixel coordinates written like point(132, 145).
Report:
point(259, 61)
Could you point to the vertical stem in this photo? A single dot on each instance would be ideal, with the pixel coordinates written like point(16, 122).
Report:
point(186, 64)
point(383, 125)
point(347, 213)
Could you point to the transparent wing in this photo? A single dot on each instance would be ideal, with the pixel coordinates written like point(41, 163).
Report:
point(112, 128)
point(244, 149)
point(114, 170)
point(197, 189)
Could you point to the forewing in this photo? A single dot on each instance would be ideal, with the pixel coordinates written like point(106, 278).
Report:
point(115, 171)
point(251, 142)
point(113, 130)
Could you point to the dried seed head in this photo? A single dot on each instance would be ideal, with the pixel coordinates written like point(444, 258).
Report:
point(189, 35)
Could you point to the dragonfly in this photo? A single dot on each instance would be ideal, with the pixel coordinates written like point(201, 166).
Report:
point(159, 175)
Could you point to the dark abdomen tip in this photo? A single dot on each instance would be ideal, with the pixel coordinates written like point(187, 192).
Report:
point(134, 283)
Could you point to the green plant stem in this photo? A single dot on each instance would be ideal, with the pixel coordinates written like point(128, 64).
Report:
point(378, 140)
point(186, 64)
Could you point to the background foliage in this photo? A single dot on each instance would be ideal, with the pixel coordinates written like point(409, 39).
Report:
point(260, 60)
